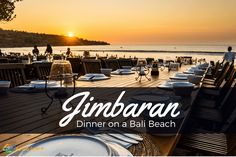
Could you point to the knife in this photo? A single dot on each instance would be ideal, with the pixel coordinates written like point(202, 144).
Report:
point(115, 140)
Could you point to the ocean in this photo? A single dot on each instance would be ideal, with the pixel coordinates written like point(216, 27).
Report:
point(209, 52)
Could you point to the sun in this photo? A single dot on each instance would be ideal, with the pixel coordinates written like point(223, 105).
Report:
point(70, 34)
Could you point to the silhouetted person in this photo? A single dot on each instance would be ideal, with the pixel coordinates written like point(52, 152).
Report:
point(68, 52)
point(35, 50)
point(229, 56)
point(49, 49)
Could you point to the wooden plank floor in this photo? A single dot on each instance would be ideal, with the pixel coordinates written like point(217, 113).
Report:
point(29, 113)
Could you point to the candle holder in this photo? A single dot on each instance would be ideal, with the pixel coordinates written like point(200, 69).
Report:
point(142, 70)
point(60, 92)
point(61, 71)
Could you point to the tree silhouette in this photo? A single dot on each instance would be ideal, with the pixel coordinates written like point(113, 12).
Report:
point(7, 9)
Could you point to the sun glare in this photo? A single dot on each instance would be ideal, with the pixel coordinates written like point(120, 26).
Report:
point(70, 34)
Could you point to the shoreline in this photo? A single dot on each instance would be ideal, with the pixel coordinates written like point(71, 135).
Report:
point(156, 51)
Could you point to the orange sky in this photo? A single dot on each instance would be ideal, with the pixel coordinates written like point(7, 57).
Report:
point(131, 21)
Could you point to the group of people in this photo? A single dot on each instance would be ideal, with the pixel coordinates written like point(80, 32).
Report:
point(49, 51)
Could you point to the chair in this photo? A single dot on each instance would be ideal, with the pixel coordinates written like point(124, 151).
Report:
point(4, 60)
point(42, 70)
point(215, 142)
point(209, 95)
point(112, 64)
point(149, 61)
point(14, 73)
point(89, 57)
point(77, 66)
point(125, 62)
point(214, 118)
point(92, 65)
point(41, 57)
point(134, 62)
point(216, 82)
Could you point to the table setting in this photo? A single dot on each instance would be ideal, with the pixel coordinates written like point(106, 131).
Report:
point(93, 77)
point(80, 145)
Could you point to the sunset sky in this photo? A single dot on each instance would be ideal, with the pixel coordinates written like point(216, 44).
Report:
point(131, 21)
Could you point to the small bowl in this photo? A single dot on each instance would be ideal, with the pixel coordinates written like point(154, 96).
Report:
point(183, 88)
point(195, 79)
point(199, 72)
point(4, 86)
point(106, 72)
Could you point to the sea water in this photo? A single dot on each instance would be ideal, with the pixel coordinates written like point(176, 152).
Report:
point(209, 52)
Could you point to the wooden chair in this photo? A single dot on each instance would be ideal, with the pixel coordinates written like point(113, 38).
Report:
point(14, 73)
point(214, 70)
point(149, 61)
point(204, 142)
point(125, 62)
point(134, 62)
point(214, 118)
point(216, 82)
point(112, 64)
point(89, 57)
point(214, 142)
point(77, 66)
point(92, 65)
point(210, 98)
point(42, 70)
point(4, 60)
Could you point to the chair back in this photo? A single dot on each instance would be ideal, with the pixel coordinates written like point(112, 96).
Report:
point(231, 144)
point(42, 70)
point(76, 65)
point(4, 60)
point(41, 57)
point(92, 65)
point(149, 61)
point(125, 62)
point(226, 87)
point(222, 74)
point(14, 73)
point(228, 104)
point(89, 57)
point(112, 64)
point(215, 69)
point(160, 61)
point(134, 62)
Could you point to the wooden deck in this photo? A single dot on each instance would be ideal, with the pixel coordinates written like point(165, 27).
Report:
point(26, 108)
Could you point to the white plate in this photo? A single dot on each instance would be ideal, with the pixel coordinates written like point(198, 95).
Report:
point(41, 84)
point(181, 75)
point(68, 146)
point(189, 72)
point(179, 78)
point(137, 69)
point(168, 85)
point(183, 84)
point(118, 150)
point(93, 77)
point(122, 72)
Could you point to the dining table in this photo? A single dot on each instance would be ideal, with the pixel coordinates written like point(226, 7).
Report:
point(16, 107)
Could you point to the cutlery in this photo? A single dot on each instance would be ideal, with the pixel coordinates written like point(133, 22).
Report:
point(96, 130)
point(115, 140)
point(91, 77)
point(123, 138)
